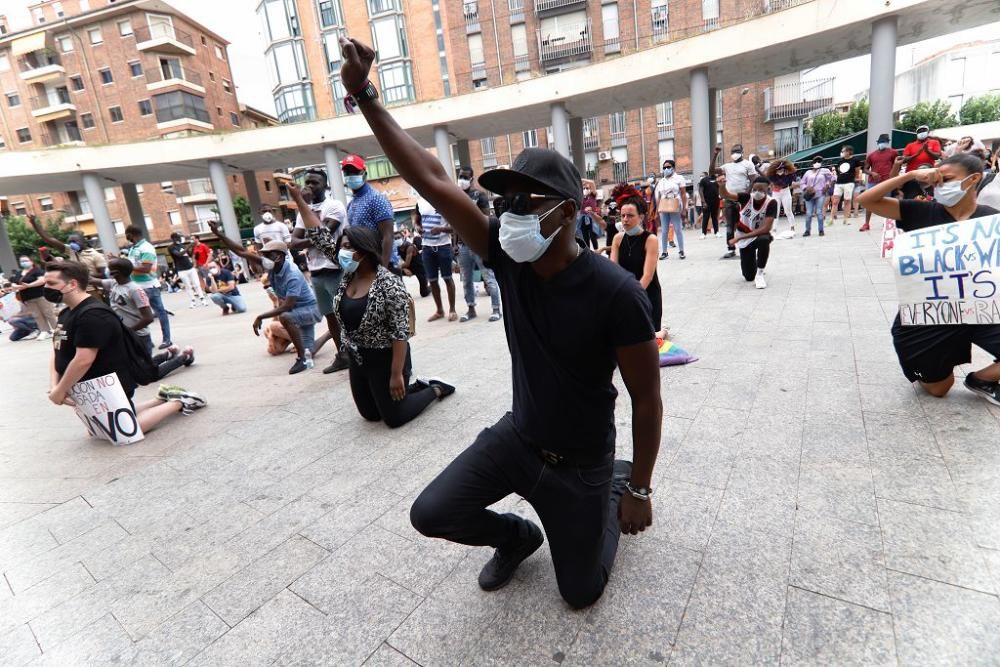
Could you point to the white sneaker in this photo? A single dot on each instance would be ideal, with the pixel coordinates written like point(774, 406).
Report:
point(45, 335)
point(718, 235)
point(759, 281)
point(702, 237)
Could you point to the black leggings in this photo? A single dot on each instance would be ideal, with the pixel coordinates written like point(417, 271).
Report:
point(370, 387)
point(710, 209)
point(590, 236)
point(754, 256)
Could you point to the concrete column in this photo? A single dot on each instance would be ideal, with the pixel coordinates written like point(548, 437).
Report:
point(701, 124)
point(713, 120)
point(136, 215)
point(253, 192)
point(94, 190)
point(883, 78)
point(560, 129)
point(576, 144)
point(331, 156)
point(224, 199)
point(8, 262)
point(463, 154)
point(442, 143)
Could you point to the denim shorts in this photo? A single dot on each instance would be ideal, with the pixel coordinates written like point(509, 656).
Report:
point(325, 285)
point(304, 316)
point(438, 259)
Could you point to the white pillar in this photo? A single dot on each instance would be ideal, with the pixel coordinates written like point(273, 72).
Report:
point(224, 199)
point(576, 144)
point(701, 143)
point(560, 129)
point(442, 143)
point(253, 192)
point(334, 175)
point(94, 190)
point(8, 262)
point(134, 206)
point(883, 78)
point(462, 153)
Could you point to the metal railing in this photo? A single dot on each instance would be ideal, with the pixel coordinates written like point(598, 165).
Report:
point(53, 98)
point(548, 5)
point(620, 172)
point(565, 47)
point(55, 139)
point(399, 94)
point(522, 63)
point(145, 33)
point(798, 100)
point(157, 74)
point(193, 187)
point(591, 134)
point(470, 11)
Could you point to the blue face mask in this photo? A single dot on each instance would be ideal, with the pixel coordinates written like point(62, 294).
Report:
point(346, 260)
point(668, 171)
point(354, 181)
point(74, 246)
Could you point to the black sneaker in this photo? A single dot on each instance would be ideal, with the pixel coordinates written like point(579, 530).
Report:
point(805, 234)
point(729, 255)
point(682, 255)
point(300, 365)
point(822, 234)
point(340, 362)
point(500, 569)
point(988, 390)
point(444, 388)
point(164, 345)
point(663, 255)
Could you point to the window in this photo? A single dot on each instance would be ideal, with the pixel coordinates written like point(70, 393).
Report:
point(24, 135)
point(119, 227)
point(382, 6)
point(619, 158)
point(167, 186)
point(125, 28)
point(38, 15)
point(234, 118)
point(180, 104)
point(95, 36)
point(211, 76)
point(219, 53)
point(327, 13)
point(13, 100)
point(956, 73)
point(295, 104)
point(331, 48)
point(65, 43)
point(665, 115)
point(488, 146)
point(397, 82)
point(139, 188)
point(76, 82)
point(380, 168)
point(57, 7)
point(590, 165)
point(617, 123)
point(389, 37)
point(710, 11)
point(175, 218)
point(288, 64)
point(109, 194)
point(956, 102)
point(19, 209)
point(786, 141)
point(665, 149)
point(136, 69)
point(476, 55)
point(278, 19)
point(591, 133)
point(45, 203)
point(116, 114)
point(106, 76)
point(218, 111)
point(227, 87)
point(661, 24)
point(530, 139)
point(4, 62)
point(519, 38)
point(87, 119)
point(145, 108)
point(202, 214)
point(609, 18)
point(84, 5)
point(204, 41)
point(267, 186)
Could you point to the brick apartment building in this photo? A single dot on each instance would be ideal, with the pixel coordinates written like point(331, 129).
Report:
point(105, 71)
point(429, 51)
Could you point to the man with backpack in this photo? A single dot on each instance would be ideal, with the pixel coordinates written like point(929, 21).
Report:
point(90, 342)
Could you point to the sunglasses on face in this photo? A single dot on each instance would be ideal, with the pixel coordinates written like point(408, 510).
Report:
point(523, 203)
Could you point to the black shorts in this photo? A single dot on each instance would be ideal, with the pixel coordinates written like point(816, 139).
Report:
point(929, 354)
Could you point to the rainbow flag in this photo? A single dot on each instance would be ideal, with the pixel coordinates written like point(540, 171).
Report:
point(673, 355)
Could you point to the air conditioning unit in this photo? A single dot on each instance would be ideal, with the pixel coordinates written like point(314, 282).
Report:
point(604, 156)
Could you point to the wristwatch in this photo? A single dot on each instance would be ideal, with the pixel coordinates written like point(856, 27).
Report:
point(367, 93)
point(639, 492)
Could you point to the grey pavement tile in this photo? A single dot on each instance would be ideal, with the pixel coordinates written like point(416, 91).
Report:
point(205, 532)
point(236, 597)
point(900, 436)
point(943, 625)
point(842, 490)
point(922, 481)
point(823, 631)
point(24, 541)
point(895, 398)
point(932, 543)
point(683, 513)
point(96, 644)
point(841, 559)
point(12, 513)
point(70, 519)
point(832, 441)
point(699, 466)
point(34, 601)
point(18, 647)
point(45, 565)
point(772, 434)
point(347, 519)
point(177, 640)
point(387, 656)
point(269, 532)
point(640, 612)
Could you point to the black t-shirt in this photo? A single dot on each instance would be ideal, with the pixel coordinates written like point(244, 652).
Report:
point(352, 311)
point(710, 189)
point(181, 256)
point(99, 328)
point(846, 169)
point(562, 334)
point(226, 276)
point(417, 264)
point(916, 214)
point(30, 276)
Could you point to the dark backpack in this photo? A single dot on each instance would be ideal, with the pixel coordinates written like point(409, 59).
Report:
point(140, 363)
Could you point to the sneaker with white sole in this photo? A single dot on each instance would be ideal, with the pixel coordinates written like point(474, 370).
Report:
point(759, 281)
point(168, 392)
point(190, 402)
point(45, 335)
point(987, 390)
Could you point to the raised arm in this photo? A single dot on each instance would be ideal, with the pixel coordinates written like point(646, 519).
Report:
point(46, 237)
point(235, 246)
point(417, 166)
point(877, 200)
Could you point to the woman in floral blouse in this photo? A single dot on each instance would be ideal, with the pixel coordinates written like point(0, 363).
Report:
point(372, 308)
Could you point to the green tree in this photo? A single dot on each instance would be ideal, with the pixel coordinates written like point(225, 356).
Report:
point(934, 115)
point(856, 119)
point(23, 238)
point(980, 109)
point(243, 213)
point(827, 127)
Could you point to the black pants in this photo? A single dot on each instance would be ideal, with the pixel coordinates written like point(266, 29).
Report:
point(165, 364)
point(370, 387)
point(590, 237)
point(754, 256)
point(732, 217)
point(421, 277)
point(710, 210)
point(577, 506)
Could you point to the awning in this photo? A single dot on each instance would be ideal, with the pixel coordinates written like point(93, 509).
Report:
point(28, 43)
point(858, 141)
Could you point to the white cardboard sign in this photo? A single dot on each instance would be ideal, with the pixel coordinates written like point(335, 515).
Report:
point(103, 407)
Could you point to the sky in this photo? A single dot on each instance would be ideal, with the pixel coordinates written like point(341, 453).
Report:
point(236, 21)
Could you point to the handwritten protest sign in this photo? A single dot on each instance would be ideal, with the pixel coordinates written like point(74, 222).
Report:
point(949, 274)
point(103, 407)
point(889, 232)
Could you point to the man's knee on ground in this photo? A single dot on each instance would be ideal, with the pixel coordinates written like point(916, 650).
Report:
point(580, 599)
point(939, 389)
point(426, 516)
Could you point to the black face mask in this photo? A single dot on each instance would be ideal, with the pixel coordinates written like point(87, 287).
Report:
point(52, 295)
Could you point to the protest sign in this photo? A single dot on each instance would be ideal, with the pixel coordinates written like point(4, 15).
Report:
point(103, 407)
point(9, 307)
point(889, 232)
point(949, 274)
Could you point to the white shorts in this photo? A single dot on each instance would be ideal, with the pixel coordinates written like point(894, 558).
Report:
point(844, 191)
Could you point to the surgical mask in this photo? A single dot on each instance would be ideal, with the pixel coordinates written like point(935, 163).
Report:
point(817, 165)
point(346, 260)
point(267, 217)
point(52, 295)
point(634, 231)
point(921, 135)
point(25, 264)
point(214, 272)
point(74, 246)
point(268, 264)
point(619, 226)
point(521, 236)
point(464, 183)
point(354, 181)
point(882, 145)
point(950, 193)
point(736, 157)
point(757, 195)
point(650, 180)
point(668, 171)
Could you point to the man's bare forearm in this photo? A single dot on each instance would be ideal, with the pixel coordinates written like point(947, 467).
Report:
point(647, 415)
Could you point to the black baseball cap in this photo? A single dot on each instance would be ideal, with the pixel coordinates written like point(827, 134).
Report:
point(883, 138)
point(537, 171)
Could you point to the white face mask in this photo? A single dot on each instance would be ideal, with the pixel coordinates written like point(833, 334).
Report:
point(817, 165)
point(634, 230)
point(619, 227)
point(950, 193)
point(464, 183)
point(521, 236)
point(267, 217)
point(736, 157)
point(757, 195)
point(921, 135)
point(267, 264)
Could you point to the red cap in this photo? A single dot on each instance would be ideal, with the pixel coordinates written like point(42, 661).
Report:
point(353, 161)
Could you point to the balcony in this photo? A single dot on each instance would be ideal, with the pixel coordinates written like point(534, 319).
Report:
point(522, 63)
point(69, 136)
point(470, 10)
point(195, 191)
point(550, 7)
point(161, 78)
point(41, 66)
point(793, 101)
point(591, 134)
point(56, 104)
point(76, 214)
point(164, 38)
point(566, 47)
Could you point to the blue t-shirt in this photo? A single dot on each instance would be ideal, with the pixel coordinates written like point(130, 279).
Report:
point(289, 281)
point(226, 276)
point(368, 208)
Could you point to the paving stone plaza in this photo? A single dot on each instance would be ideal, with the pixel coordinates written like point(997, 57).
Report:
point(811, 507)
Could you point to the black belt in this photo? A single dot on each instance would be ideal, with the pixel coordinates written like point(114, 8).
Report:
point(577, 459)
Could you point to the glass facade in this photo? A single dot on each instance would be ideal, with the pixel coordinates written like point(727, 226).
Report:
point(295, 103)
point(180, 104)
